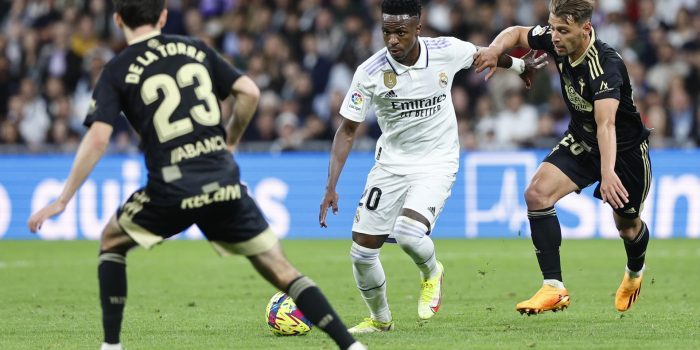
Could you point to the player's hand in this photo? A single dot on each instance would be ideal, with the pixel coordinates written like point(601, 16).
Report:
point(612, 191)
point(533, 63)
point(487, 57)
point(330, 199)
point(38, 218)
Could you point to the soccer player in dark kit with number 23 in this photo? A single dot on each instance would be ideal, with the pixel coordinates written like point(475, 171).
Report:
point(169, 88)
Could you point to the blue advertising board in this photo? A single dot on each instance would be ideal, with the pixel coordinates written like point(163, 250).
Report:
point(487, 198)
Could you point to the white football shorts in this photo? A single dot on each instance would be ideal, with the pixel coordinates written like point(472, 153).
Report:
point(385, 194)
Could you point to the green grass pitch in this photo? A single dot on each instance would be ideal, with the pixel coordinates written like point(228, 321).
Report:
point(183, 296)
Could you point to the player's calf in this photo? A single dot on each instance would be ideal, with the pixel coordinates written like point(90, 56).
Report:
point(314, 305)
point(111, 273)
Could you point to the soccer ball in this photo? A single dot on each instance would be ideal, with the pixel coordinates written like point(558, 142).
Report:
point(284, 318)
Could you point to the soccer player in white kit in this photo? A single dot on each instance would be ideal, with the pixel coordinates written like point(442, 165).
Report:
point(417, 155)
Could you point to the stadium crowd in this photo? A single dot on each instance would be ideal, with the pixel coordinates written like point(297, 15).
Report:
point(303, 53)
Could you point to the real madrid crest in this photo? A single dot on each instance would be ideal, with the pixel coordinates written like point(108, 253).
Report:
point(443, 79)
point(389, 79)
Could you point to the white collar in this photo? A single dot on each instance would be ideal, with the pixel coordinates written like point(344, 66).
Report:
point(421, 63)
point(144, 37)
point(585, 53)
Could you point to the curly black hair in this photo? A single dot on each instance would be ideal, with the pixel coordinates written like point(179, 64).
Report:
point(136, 13)
point(401, 7)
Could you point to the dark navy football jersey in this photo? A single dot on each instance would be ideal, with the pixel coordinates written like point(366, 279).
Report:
point(169, 88)
point(600, 73)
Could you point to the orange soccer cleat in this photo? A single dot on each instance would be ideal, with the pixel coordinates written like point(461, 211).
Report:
point(548, 298)
point(629, 290)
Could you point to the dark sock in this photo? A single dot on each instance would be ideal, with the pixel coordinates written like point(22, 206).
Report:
point(636, 249)
point(112, 277)
point(546, 236)
point(315, 307)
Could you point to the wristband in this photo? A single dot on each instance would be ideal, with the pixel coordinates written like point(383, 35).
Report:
point(518, 65)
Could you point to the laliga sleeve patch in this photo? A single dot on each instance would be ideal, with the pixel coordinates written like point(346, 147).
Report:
point(356, 101)
point(539, 30)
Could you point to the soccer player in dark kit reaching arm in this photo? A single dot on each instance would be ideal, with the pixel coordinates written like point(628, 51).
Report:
point(606, 143)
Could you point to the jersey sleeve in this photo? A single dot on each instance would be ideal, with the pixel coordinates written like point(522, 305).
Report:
point(540, 38)
point(359, 97)
point(463, 53)
point(105, 106)
point(606, 78)
point(223, 74)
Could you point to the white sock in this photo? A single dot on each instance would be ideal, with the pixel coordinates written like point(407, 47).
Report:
point(554, 283)
point(357, 346)
point(371, 281)
point(411, 236)
point(635, 274)
point(106, 346)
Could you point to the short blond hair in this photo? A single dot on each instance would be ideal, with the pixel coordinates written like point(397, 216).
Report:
point(578, 11)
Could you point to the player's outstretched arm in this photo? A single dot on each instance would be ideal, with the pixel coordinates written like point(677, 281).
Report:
point(91, 149)
point(488, 57)
point(342, 144)
point(246, 94)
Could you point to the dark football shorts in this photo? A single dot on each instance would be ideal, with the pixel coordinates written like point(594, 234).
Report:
point(227, 217)
point(632, 166)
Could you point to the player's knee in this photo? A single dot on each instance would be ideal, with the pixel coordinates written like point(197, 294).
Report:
point(628, 229)
point(117, 244)
point(363, 256)
point(536, 197)
point(114, 238)
point(408, 231)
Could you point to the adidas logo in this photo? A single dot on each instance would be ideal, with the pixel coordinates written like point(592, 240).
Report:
point(630, 211)
point(390, 94)
point(432, 210)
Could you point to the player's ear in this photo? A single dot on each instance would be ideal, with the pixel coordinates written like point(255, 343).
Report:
point(163, 18)
point(118, 20)
point(418, 28)
point(587, 27)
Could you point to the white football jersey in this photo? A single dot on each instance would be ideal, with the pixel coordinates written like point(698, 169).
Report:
point(413, 105)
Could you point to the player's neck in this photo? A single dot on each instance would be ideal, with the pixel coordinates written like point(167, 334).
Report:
point(133, 35)
point(412, 58)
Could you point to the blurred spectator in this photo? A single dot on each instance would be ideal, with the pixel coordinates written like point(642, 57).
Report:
point(486, 124)
point(681, 118)
point(315, 129)
point(85, 38)
point(656, 119)
point(57, 59)
point(303, 54)
point(289, 138)
point(660, 75)
point(547, 136)
point(516, 125)
point(33, 119)
point(437, 11)
point(5, 82)
point(9, 133)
